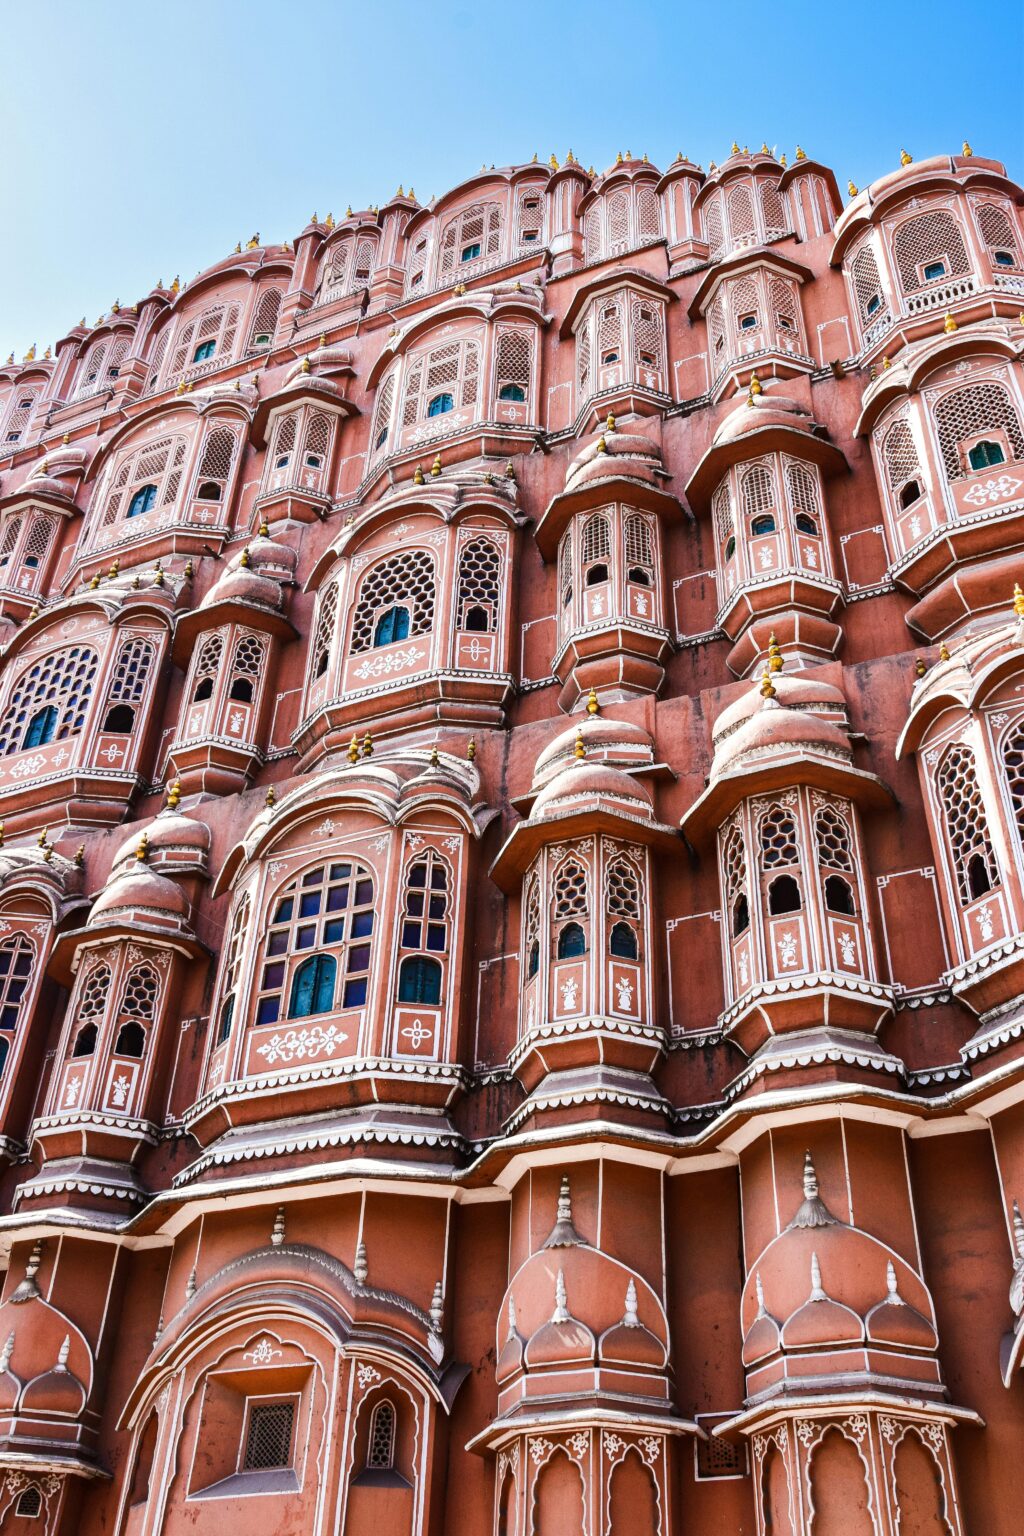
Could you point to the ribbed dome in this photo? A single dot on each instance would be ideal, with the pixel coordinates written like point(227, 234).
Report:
point(614, 454)
point(140, 890)
point(254, 576)
point(779, 729)
point(618, 742)
point(583, 783)
point(170, 839)
point(756, 412)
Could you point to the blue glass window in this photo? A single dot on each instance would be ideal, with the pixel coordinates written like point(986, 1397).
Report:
point(41, 727)
point(440, 405)
point(471, 252)
point(763, 524)
point(986, 454)
point(934, 269)
point(419, 980)
point(392, 625)
point(572, 941)
point(623, 942)
point(144, 500)
point(204, 351)
point(511, 392)
point(313, 987)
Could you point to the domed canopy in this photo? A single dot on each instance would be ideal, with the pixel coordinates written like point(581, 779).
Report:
point(616, 466)
point(171, 843)
point(761, 420)
point(141, 893)
point(618, 742)
point(251, 590)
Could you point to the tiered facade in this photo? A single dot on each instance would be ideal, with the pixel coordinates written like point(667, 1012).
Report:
point(512, 871)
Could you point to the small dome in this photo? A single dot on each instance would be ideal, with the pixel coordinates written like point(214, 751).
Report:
point(56, 1391)
point(141, 890)
point(616, 454)
point(805, 715)
point(254, 576)
point(170, 839)
point(617, 742)
point(756, 412)
point(561, 1343)
point(895, 1321)
point(582, 783)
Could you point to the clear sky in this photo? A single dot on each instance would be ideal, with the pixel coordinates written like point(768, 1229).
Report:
point(142, 139)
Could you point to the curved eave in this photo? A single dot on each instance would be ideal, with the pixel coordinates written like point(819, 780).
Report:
point(638, 495)
point(528, 837)
point(629, 278)
point(677, 171)
point(197, 621)
point(115, 613)
point(483, 304)
point(774, 437)
point(250, 264)
point(739, 261)
point(908, 375)
point(311, 389)
point(784, 771)
point(500, 180)
point(227, 403)
point(51, 500)
point(940, 173)
point(109, 930)
point(800, 168)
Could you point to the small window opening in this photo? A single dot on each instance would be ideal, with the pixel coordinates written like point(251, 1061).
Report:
point(131, 1040)
point(471, 252)
point(978, 878)
point(533, 965)
point(392, 625)
point(268, 1442)
point(209, 491)
point(910, 493)
point(204, 351)
point(784, 896)
point(1003, 258)
point(477, 620)
point(440, 405)
point(839, 896)
point(419, 980)
point(30, 1504)
point(638, 576)
point(622, 942)
point(740, 915)
point(512, 392)
point(874, 303)
point(932, 270)
point(85, 1041)
point(597, 574)
point(204, 690)
point(572, 941)
point(144, 500)
point(986, 454)
point(806, 524)
point(120, 720)
point(763, 524)
point(241, 690)
point(749, 322)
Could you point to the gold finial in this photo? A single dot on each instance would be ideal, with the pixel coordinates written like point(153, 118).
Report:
point(602, 446)
point(348, 211)
point(783, 161)
point(158, 575)
point(593, 707)
point(852, 188)
point(48, 853)
point(735, 148)
point(775, 662)
point(618, 158)
point(174, 795)
point(367, 745)
point(271, 798)
point(190, 570)
point(1018, 600)
point(1, 834)
point(253, 241)
point(417, 478)
point(459, 290)
point(176, 285)
point(435, 468)
point(322, 342)
point(764, 148)
point(115, 308)
point(304, 365)
point(330, 221)
point(510, 473)
point(800, 154)
point(42, 839)
point(968, 151)
point(353, 749)
point(142, 851)
point(949, 324)
point(136, 583)
point(905, 159)
point(80, 855)
point(755, 384)
point(470, 753)
point(435, 758)
point(95, 582)
point(181, 388)
point(609, 425)
point(264, 529)
point(401, 190)
point(244, 559)
point(919, 668)
point(412, 194)
point(767, 686)
point(66, 438)
point(114, 570)
point(943, 651)
point(47, 355)
point(646, 161)
point(33, 612)
point(238, 247)
point(517, 286)
point(579, 750)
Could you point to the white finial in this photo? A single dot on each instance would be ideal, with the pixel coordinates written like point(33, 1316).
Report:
point(63, 1353)
point(564, 1201)
point(7, 1352)
point(361, 1268)
point(512, 1329)
point(891, 1285)
point(561, 1312)
point(759, 1288)
point(437, 1308)
point(190, 1286)
point(817, 1294)
point(277, 1235)
point(631, 1320)
point(810, 1177)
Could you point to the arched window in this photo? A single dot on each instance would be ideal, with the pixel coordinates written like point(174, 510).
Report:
point(236, 944)
point(85, 1041)
point(514, 364)
point(762, 525)
point(16, 962)
point(419, 980)
point(41, 727)
point(380, 1447)
point(966, 825)
point(452, 370)
point(392, 625)
point(758, 492)
point(532, 941)
point(572, 941)
point(441, 404)
point(777, 835)
point(867, 285)
point(325, 913)
point(210, 334)
point(204, 351)
point(999, 234)
point(285, 434)
point(623, 941)
point(986, 454)
point(714, 231)
point(264, 320)
point(834, 839)
point(382, 413)
point(839, 895)
point(928, 248)
point(638, 542)
point(30, 1503)
point(215, 463)
point(784, 896)
point(92, 999)
point(741, 214)
point(609, 335)
point(334, 270)
point(618, 222)
point(721, 509)
point(144, 500)
point(596, 548)
point(648, 216)
point(131, 672)
point(773, 210)
point(734, 869)
point(648, 347)
point(206, 667)
point(119, 720)
point(405, 580)
point(131, 1040)
point(313, 987)
point(323, 640)
point(472, 235)
point(968, 414)
point(478, 586)
point(571, 901)
point(246, 666)
point(61, 681)
point(425, 920)
point(902, 464)
point(154, 466)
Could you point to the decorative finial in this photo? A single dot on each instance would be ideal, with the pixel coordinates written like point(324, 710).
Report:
point(767, 686)
point(800, 155)
point(609, 425)
point(43, 838)
point(891, 1286)
point(28, 1290)
point(735, 149)
point(919, 668)
point(191, 1285)
point(593, 707)
point(967, 150)
point(417, 478)
point(437, 1308)
point(190, 570)
point(759, 1289)
point(367, 745)
point(471, 748)
point(563, 1233)
point(435, 468)
point(1018, 600)
point(142, 850)
point(304, 365)
point(176, 285)
point(783, 161)
point(775, 662)
point(264, 529)
point(813, 1211)
point(435, 758)
point(949, 324)
point(943, 651)
point(270, 798)
point(905, 159)
point(79, 854)
point(561, 1312)
point(95, 582)
point(253, 241)
point(630, 1318)
point(852, 188)
point(602, 446)
point(886, 362)
point(277, 1233)
point(579, 750)
point(817, 1294)
point(244, 559)
point(174, 795)
point(510, 473)
point(361, 1268)
point(353, 749)
point(755, 384)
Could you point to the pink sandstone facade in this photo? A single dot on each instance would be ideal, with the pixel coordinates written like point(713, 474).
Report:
point(511, 878)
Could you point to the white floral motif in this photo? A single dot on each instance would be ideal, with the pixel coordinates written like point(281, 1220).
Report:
point(263, 1353)
point(857, 1426)
point(416, 1033)
point(811, 556)
point(805, 1432)
point(988, 491)
point(985, 925)
point(744, 968)
point(915, 527)
point(787, 950)
point(300, 1044)
point(570, 993)
point(112, 753)
point(579, 1444)
point(847, 949)
point(641, 604)
point(766, 557)
point(539, 1449)
point(613, 1443)
point(28, 765)
point(119, 1092)
point(396, 661)
point(366, 1375)
point(71, 1092)
point(624, 994)
point(326, 827)
point(650, 1448)
point(451, 843)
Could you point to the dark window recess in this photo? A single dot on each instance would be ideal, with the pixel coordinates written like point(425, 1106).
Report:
point(784, 896)
point(30, 1504)
point(120, 720)
point(269, 1440)
point(718, 1458)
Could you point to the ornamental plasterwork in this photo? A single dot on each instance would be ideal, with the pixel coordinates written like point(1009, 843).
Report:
point(396, 661)
point(263, 1353)
point(540, 1450)
point(578, 1444)
point(302, 1044)
point(367, 1376)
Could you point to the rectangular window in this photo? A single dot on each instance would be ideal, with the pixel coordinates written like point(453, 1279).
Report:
point(471, 252)
point(748, 322)
point(268, 1441)
point(932, 270)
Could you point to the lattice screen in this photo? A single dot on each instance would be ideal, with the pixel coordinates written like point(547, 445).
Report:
point(928, 238)
point(408, 579)
point(965, 413)
point(63, 679)
point(966, 823)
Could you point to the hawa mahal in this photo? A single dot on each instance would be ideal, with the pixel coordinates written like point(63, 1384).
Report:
point(512, 870)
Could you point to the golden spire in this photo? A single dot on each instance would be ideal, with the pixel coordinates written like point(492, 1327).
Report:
point(348, 211)
point(435, 757)
point(618, 158)
point(304, 365)
point(775, 662)
point(735, 148)
point(79, 854)
point(800, 154)
point(755, 384)
point(949, 324)
point(42, 839)
point(238, 247)
point(176, 285)
point(244, 560)
point(330, 221)
point(510, 473)
point(905, 159)
point(579, 750)
point(417, 478)
point(353, 749)
point(764, 148)
point(271, 798)
point(158, 575)
point(602, 446)
point(968, 151)
point(114, 570)
point(593, 707)
point(30, 355)
point(367, 745)
point(943, 651)
point(471, 748)
point(919, 668)
point(783, 161)
point(886, 363)
point(852, 188)
point(767, 686)
point(174, 795)
point(1018, 600)
point(435, 468)
point(1, 834)
point(95, 582)
point(142, 851)
point(252, 244)
point(609, 425)
point(553, 162)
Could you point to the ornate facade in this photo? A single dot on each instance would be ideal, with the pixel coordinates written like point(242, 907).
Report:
point(512, 871)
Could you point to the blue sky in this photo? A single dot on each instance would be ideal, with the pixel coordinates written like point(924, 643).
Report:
point(139, 140)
